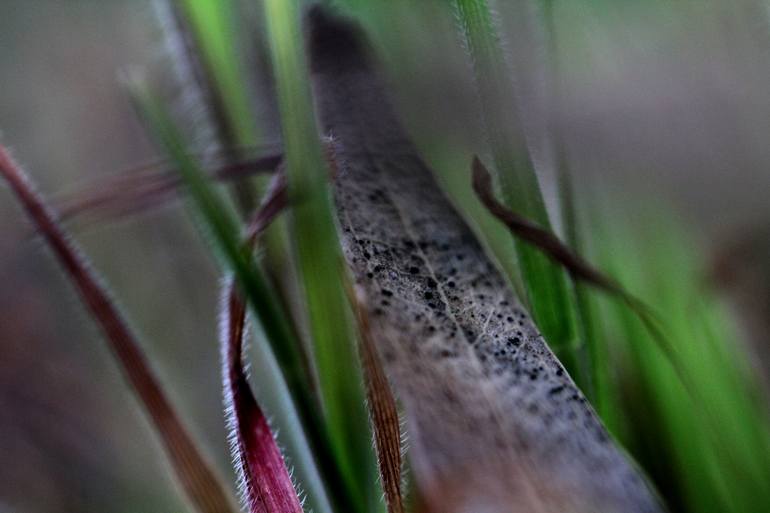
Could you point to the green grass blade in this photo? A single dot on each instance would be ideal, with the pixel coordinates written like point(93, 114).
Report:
point(714, 431)
point(596, 358)
point(319, 259)
point(213, 23)
point(548, 288)
point(208, 33)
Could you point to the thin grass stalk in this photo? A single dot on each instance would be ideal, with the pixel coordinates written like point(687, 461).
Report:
point(213, 23)
point(211, 30)
point(203, 34)
point(594, 359)
point(598, 359)
point(145, 187)
point(195, 474)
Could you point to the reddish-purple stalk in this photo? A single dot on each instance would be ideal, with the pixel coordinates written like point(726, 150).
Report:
point(265, 481)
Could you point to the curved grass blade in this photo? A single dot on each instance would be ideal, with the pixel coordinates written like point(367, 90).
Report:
point(274, 202)
point(199, 480)
point(493, 419)
point(264, 480)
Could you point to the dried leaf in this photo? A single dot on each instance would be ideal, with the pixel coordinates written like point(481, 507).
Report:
point(195, 474)
point(493, 419)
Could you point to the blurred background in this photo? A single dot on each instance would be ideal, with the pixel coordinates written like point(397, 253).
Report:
point(665, 107)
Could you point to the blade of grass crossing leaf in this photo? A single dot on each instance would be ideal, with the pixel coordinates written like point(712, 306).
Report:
point(221, 224)
point(549, 293)
point(319, 259)
point(198, 479)
point(596, 358)
point(545, 240)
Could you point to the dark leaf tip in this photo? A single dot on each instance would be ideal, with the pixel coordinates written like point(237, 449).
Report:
point(335, 43)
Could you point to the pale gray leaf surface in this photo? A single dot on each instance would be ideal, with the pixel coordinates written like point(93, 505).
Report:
point(495, 424)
